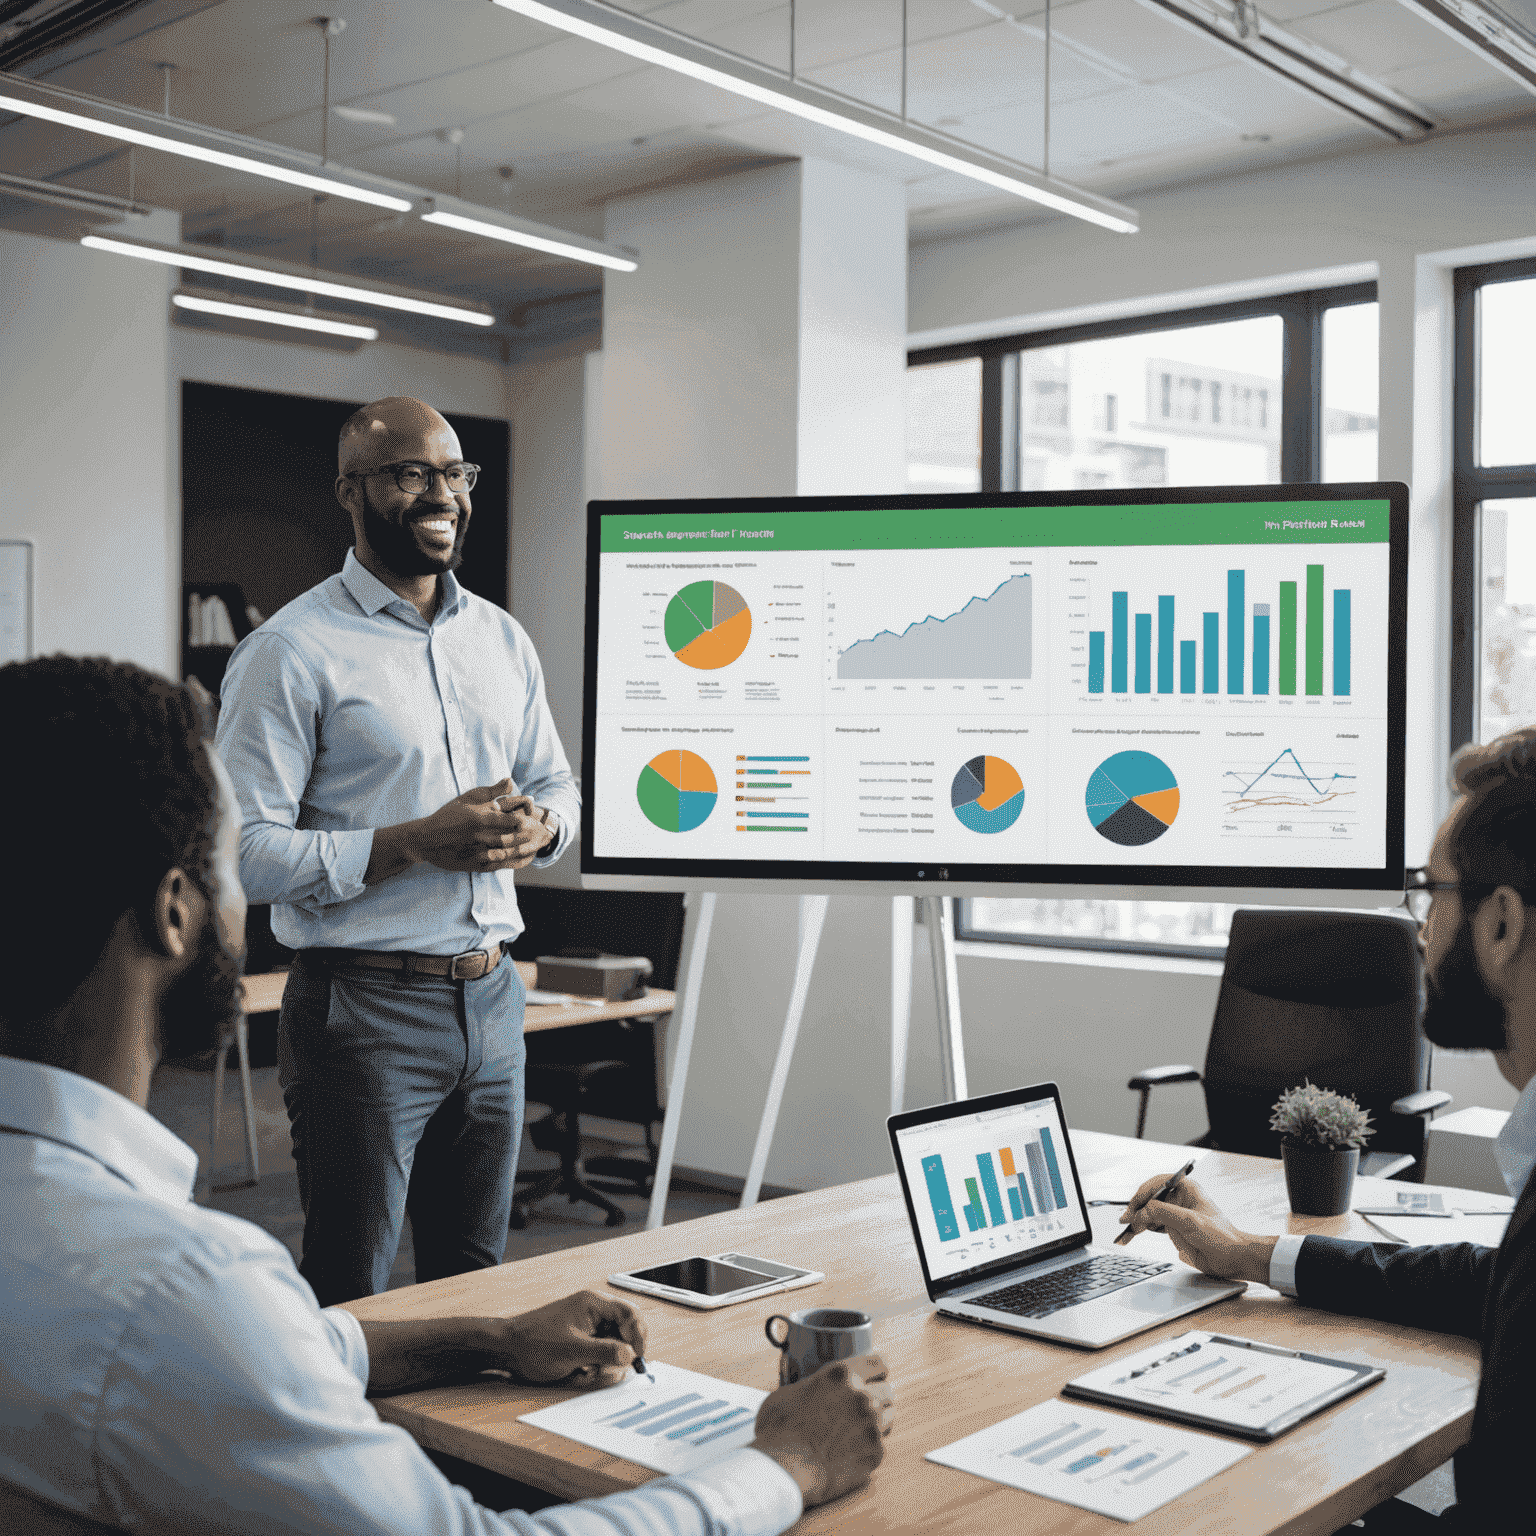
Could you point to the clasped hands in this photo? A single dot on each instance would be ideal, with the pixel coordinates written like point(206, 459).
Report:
point(489, 827)
point(826, 1431)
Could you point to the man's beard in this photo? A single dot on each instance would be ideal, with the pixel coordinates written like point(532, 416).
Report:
point(203, 1005)
point(1460, 1013)
point(396, 545)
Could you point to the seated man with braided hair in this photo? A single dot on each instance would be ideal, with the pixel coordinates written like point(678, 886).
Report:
point(163, 1367)
point(1479, 942)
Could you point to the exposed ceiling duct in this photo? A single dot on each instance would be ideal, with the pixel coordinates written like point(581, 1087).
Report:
point(1504, 35)
point(1239, 25)
point(29, 29)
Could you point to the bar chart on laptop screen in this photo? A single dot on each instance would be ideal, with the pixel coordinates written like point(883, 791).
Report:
point(983, 1188)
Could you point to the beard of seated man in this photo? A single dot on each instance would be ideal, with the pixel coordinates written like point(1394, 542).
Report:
point(204, 1003)
point(1460, 1013)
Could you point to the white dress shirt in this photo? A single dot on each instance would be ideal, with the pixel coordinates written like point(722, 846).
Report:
point(164, 1368)
point(347, 711)
point(1514, 1150)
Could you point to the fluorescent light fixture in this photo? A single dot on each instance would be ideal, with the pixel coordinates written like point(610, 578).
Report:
point(654, 44)
point(533, 242)
point(190, 151)
point(365, 115)
point(275, 276)
point(1302, 64)
point(1506, 41)
point(273, 317)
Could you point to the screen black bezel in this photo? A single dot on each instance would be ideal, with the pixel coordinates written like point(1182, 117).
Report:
point(936, 1114)
point(1388, 877)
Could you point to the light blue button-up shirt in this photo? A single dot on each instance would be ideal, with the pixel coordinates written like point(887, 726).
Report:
point(347, 711)
point(164, 1368)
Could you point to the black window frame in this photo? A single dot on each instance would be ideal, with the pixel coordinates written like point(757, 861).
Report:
point(1471, 485)
point(1301, 458)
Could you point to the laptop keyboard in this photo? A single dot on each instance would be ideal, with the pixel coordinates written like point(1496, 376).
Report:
point(1066, 1287)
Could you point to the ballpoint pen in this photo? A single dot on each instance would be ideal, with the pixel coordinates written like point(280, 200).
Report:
point(1162, 1194)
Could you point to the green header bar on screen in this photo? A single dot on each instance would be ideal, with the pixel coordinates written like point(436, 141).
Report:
point(1208, 522)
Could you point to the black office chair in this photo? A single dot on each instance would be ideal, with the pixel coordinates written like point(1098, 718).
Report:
point(607, 1068)
point(1329, 997)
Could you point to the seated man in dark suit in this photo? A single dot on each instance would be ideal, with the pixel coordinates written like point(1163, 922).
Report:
point(1480, 957)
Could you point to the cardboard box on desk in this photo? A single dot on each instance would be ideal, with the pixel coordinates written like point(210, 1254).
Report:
point(614, 978)
point(1460, 1150)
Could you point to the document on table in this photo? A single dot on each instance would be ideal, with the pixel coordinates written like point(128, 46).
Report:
point(1113, 1465)
point(1485, 1229)
point(682, 1421)
point(1221, 1382)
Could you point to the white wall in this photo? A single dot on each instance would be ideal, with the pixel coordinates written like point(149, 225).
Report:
point(86, 467)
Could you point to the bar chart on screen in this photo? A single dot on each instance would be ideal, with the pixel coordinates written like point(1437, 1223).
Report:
point(1027, 1173)
point(685, 1420)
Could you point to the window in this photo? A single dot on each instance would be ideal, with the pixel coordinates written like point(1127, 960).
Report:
point(1493, 557)
point(1258, 393)
point(944, 426)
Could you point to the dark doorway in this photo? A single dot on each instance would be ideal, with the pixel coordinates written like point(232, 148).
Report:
point(257, 504)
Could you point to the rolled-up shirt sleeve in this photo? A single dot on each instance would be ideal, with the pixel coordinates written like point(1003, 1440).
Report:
point(268, 729)
point(542, 770)
point(233, 1403)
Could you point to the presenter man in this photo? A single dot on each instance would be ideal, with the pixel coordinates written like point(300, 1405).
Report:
point(1480, 953)
point(395, 761)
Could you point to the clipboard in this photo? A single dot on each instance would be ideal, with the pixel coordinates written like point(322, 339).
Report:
point(1218, 1381)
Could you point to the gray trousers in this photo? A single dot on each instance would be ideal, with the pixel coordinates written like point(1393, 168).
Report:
point(405, 1098)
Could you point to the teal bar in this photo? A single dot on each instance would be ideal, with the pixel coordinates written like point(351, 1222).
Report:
point(989, 1185)
point(1186, 666)
point(1117, 642)
point(1143, 653)
point(1095, 661)
point(1261, 647)
point(939, 1198)
point(1212, 681)
point(1341, 640)
point(1165, 645)
point(752, 759)
point(1013, 1204)
point(1235, 626)
point(1050, 1161)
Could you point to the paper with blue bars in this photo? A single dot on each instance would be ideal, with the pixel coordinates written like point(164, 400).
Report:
point(681, 1421)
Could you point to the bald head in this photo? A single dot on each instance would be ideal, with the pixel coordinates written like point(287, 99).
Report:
point(393, 429)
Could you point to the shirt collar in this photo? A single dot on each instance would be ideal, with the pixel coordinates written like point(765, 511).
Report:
point(372, 595)
point(1514, 1148)
point(38, 1100)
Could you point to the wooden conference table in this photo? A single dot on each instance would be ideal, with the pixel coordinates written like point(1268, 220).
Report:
point(952, 1379)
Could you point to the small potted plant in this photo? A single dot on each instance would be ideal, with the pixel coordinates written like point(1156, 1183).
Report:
point(1321, 1134)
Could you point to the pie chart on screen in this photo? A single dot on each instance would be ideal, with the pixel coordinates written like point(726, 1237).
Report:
point(1133, 798)
point(677, 791)
point(987, 795)
point(707, 625)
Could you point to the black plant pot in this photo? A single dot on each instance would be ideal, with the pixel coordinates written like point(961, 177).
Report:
point(1319, 1180)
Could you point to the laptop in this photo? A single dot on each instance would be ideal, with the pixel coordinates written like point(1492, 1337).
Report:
point(1003, 1232)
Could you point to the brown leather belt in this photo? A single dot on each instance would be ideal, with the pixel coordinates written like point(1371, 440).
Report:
point(471, 965)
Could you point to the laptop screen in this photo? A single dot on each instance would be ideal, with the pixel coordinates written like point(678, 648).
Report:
point(995, 1184)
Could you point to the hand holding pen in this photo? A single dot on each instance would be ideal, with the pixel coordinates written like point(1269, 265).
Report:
point(1142, 1199)
point(1206, 1240)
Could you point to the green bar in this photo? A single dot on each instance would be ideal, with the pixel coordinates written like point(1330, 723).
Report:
point(1314, 629)
point(1287, 637)
point(1254, 522)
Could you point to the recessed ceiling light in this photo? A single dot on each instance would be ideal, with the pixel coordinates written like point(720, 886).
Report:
point(652, 43)
point(273, 317)
point(365, 115)
point(275, 276)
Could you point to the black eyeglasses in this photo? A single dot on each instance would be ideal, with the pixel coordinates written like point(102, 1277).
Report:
point(416, 479)
point(1419, 892)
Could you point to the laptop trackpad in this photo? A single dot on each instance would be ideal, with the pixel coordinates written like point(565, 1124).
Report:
point(1156, 1296)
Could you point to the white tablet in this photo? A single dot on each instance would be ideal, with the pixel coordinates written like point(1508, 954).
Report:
point(720, 1280)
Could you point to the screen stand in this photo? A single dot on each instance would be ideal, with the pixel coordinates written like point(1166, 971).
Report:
point(938, 916)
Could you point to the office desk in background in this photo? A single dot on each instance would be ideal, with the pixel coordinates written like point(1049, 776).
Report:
point(264, 994)
point(952, 1378)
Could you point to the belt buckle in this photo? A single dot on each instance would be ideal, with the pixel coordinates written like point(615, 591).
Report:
point(456, 974)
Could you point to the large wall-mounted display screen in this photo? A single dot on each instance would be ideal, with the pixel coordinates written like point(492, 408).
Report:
point(1170, 688)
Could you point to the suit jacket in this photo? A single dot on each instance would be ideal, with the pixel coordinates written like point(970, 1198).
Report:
point(1488, 1294)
